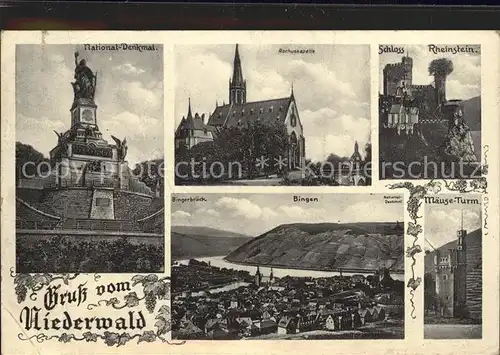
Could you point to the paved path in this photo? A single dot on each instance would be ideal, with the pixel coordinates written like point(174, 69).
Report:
point(452, 331)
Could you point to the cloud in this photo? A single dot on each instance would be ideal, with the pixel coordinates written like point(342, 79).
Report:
point(442, 222)
point(28, 132)
point(342, 131)
point(128, 69)
point(136, 98)
point(207, 212)
point(300, 214)
point(239, 207)
point(326, 90)
point(180, 217)
point(366, 212)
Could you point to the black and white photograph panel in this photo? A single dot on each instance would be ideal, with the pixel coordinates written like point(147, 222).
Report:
point(430, 111)
point(269, 115)
point(453, 283)
point(89, 158)
point(282, 266)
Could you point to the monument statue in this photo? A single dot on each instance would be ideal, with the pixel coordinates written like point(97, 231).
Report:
point(122, 147)
point(85, 80)
point(62, 142)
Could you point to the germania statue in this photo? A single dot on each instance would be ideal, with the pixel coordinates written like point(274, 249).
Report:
point(85, 80)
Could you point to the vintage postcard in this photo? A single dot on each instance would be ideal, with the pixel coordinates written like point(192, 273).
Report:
point(430, 111)
point(305, 191)
point(87, 201)
point(453, 278)
point(289, 115)
point(282, 266)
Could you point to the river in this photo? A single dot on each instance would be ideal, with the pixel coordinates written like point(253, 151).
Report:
point(219, 261)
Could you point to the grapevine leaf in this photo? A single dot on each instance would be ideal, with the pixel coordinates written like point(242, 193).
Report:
point(124, 337)
point(88, 336)
point(148, 336)
point(164, 312)
point(42, 279)
point(162, 325)
point(154, 287)
point(131, 299)
point(112, 301)
point(150, 278)
point(137, 279)
point(111, 338)
point(65, 337)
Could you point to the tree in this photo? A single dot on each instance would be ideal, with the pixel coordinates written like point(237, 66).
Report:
point(27, 154)
point(150, 172)
point(441, 67)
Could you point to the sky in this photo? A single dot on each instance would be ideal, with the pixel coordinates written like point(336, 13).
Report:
point(129, 96)
point(463, 83)
point(331, 87)
point(254, 214)
point(442, 222)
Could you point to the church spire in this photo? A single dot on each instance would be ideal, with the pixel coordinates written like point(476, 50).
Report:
point(291, 95)
point(356, 147)
point(237, 85)
point(189, 115)
point(237, 72)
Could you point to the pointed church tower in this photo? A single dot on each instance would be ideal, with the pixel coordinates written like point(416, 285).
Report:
point(356, 157)
point(237, 85)
point(258, 277)
point(189, 115)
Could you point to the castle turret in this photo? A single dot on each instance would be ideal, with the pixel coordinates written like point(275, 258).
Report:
point(440, 88)
point(237, 85)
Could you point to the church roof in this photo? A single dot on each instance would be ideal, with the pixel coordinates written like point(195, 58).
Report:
point(268, 111)
point(193, 123)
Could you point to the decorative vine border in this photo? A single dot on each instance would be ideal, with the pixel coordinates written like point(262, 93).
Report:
point(154, 288)
point(417, 194)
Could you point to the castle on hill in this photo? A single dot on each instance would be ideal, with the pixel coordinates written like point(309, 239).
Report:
point(424, 110)
point(193, 130)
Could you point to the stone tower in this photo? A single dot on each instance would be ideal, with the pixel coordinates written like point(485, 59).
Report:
point(237, 85)
point(460, 271)
point(440, 88)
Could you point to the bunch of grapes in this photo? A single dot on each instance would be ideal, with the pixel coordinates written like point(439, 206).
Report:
point(150, 302)
point(21, 292)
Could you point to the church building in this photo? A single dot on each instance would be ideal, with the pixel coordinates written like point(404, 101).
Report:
point(240, 113)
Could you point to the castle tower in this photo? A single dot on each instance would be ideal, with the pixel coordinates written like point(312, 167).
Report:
point(407, 69)
point(440, 88)
point(237, 85)
point(461, 272)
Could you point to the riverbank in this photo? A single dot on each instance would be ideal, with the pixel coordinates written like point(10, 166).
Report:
point(347, 271)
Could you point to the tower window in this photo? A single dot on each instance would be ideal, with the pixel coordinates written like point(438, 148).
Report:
point(271, 109)
point(261, 110)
